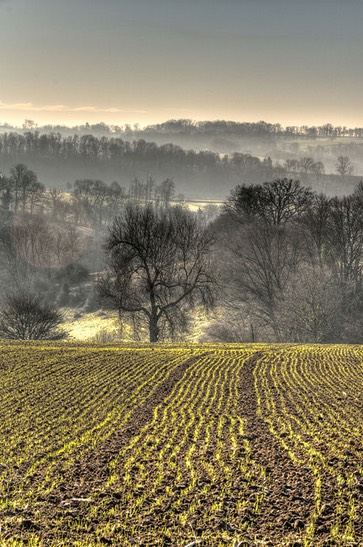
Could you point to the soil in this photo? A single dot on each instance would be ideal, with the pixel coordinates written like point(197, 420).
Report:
point(289, 498)
point(278, 494)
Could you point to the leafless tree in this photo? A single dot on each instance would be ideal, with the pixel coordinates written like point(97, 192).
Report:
point(257, 269)
point(316, 221)
point(284, 200)
point(311, 310)
point(276, 202)
point(158, 267)
point(346, 239)
point(24, 187)
point(292, 165)
point(166, 190)
point(318, 169)
point(28, 317)
point(344, 166)
point(306, 164)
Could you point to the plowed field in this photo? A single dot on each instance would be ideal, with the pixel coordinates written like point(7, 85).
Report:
point(181, 445)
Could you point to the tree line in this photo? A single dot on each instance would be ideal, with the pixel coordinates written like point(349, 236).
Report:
point(32, 144)
point(190, 127)
point(249, 129)
point(290, 264)
point(205, 173)
point(51, 240)
point(279, 263)
point(87, 202)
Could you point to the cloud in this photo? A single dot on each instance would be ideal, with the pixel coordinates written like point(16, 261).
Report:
point(30, 107)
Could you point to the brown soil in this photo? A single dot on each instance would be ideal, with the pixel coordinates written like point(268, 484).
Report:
point(287, 491)
point(84, 480)
point(289, 497)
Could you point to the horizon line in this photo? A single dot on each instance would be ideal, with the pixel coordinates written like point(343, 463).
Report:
point(138, 126)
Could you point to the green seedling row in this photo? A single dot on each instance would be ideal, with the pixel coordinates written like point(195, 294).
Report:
point(180, 445)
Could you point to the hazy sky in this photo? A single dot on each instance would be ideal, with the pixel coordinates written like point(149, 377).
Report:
point(145, 61)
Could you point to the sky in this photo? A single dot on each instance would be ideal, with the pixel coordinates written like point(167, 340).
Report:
point(294, 62)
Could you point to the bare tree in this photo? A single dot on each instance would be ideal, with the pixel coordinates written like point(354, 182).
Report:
point(166, 190)
point(346, 239)
point(311, 310)
point(344, 166)
point(158, 267)
point(318, 168)
point(243, 203)
point(276, 202)
point(55, 198)
point(316, 222)
point(257, 269)
point(28, 317)
point(292, 165)
point(284, 200)
point(306, 164)
point(23, 184)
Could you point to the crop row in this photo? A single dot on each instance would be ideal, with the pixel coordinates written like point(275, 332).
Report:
point(107, 449)
point(187, 473)
point(62, 401)
point(309, 396)
point(170, 445)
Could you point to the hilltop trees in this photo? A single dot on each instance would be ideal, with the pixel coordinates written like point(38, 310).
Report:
point(158, 267)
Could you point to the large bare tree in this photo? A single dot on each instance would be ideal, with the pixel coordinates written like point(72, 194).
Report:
point(158, 266)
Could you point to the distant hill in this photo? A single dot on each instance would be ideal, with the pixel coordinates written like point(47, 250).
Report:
point(260, 154)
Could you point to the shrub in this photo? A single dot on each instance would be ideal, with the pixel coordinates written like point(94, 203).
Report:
point(27, 317)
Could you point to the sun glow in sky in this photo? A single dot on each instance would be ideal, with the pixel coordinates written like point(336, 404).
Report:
point(145, 61)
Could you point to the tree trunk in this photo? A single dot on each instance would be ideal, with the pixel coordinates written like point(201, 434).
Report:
point(153, 328)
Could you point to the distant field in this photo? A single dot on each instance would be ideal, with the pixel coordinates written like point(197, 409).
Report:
point(180, 445)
